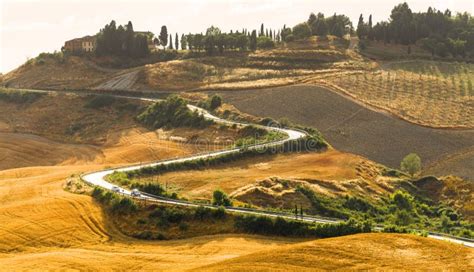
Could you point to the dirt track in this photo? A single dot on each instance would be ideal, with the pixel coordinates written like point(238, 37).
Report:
point(350, 127)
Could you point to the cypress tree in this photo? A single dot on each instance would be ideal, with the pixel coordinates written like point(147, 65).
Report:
point(253, 40)
point(164, 36)
point(261, 30)
point(176, 42)
point(171, 42)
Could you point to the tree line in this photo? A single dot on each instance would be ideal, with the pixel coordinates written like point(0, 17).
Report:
point(441, 33)
point(122, 41)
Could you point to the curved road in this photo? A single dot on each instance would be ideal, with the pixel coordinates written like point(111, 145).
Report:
point(98, 178)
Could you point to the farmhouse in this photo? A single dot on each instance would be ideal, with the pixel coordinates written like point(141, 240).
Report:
point(84, 44)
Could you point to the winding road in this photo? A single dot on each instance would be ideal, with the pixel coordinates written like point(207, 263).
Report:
point(98, 178)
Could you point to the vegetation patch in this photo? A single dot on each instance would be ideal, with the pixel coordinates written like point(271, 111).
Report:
point(171, 113)
point(19, 97)
point(309, 143)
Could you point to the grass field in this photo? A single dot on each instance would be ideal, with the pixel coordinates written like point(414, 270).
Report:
point(436, 94)
point(353, 128)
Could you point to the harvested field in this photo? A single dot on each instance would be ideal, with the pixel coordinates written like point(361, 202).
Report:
point(353, 128)
point(357, 252)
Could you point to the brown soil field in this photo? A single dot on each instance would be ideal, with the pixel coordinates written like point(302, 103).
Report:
point(356, 252)
point(352, 127)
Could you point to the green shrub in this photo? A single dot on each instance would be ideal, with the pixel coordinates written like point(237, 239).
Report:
point(264, 42)
point(123, 206)
point(220, 198)
point(119, 177)
point(280, 226)
point(173, 112)
point(215, 102)
point(402, 200)
point(411, 164)
point(151, 188)
point(219, 213)
point(202, 213)
point(19, 97)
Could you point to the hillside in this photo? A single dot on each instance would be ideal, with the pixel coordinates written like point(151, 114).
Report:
point(356, 252)
point(351, 127)
point(286, 64)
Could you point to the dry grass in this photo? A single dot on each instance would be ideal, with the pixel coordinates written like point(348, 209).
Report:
point(331, 173)
point(50, 73)
point(433, 94)
point(357, 252)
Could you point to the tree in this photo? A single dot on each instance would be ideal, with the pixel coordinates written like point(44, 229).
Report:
point(183, 42)
point(370, 30)
point(176, 42)
point(163, 36)
point(320, 27)
point(262, 33)
point(411, 164)
point(253, 40)
point(216, 102)
point(361, 28)
point(264, 42)
point(220, 198)
point(285, 32)
point(171, 42)
point(302, 31)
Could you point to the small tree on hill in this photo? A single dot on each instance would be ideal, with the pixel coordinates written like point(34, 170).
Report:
point(411, 164)
point(184, 42)
point(220, 198)
point(253, 40)
point(216, 102)
point(176, 42)
point(171, 42)
point(163, 36)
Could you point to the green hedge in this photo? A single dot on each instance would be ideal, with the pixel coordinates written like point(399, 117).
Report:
point(279, 226)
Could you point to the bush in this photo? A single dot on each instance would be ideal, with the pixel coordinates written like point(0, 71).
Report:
point(411, 164)
point(220, 198)
point(402, 200)
point(219, 213)
point(202, 213)
point(151, 188)
point(264, 42)
point(173, 112)
point(215, 102)
point(124, 206)
point(280, 226)
point(19, 97)
point(119, 177)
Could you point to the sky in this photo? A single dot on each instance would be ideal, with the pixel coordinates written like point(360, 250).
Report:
point(29, 27)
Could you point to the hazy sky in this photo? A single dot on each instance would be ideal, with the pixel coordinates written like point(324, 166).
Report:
point(28, 27)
